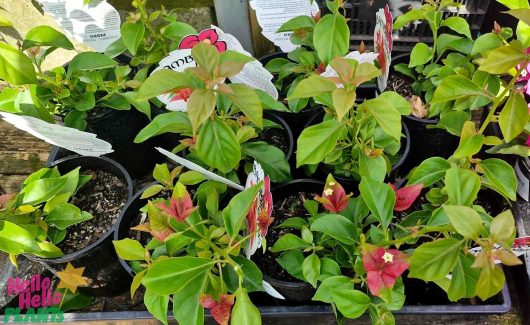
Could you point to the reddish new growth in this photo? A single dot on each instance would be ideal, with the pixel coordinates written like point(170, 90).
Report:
point(405, 196)
point(220, 309)
point(334, 198)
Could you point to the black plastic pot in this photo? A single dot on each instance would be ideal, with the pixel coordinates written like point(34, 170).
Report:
point(98, 258)
point(351, 184)
point(425, 142)
point(299, 292)
point(288, 133)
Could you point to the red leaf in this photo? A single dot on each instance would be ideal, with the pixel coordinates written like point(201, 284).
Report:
point(221, 309)
point(406, 196)
point(178, 208)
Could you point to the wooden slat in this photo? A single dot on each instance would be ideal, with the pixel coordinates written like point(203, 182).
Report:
point(11, 183)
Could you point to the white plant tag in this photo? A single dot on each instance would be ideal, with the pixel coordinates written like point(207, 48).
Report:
point(96, 24)
point(383, 44)
point(520, 247)
point(272, 14)
point(80, 142)
point(193, 166)
point(271, 291)
point(523, 183)
point(253, 74)
point(368, 57)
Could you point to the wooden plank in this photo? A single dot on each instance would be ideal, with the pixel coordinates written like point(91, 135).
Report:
point(11, 183)
point(262, 45)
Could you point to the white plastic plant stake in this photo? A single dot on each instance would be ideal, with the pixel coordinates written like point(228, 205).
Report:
point(383, 44)
point(83, 143)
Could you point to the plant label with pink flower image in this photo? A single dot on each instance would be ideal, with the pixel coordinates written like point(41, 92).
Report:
point(271, 14)
point(383, 44)
point(253, 74)
point(96, 24)
point(80, 142)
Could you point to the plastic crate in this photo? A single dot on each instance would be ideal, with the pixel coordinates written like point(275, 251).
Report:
point(361, 15)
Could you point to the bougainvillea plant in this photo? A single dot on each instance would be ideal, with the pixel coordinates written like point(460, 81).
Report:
point(195, 257)
point(37, 218)
point(356, 252)
point(91, 80)
point(447, 61)
point(355, 139)
point(220, 119)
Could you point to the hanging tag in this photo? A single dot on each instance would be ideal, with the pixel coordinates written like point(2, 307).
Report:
point(96, 24)
point(193, 166)
point(383, 44)
point(80, 142)
point(272, 14)
point(520, 247)
point(271, 291)
point(253, 74)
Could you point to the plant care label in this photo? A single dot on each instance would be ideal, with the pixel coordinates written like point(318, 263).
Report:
point(96, 24)
point(521, 246)
point(383, 44)
point(193, 166)
point(80, 142)
point(272, 14)
point(253, 74)
point(523, 183)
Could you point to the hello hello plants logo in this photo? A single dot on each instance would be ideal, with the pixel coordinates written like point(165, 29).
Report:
point(37, 303)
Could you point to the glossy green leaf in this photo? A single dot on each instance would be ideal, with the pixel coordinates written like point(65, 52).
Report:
point(129, 249)
point(186, 306)
point(337, 227)
point(42, 190)
point(387, 116)
point(312, 87)
point(421, 54)
point(46, 36)
point(244, 312)
point(380, 199)
point(235, 213)
point(462, 186)
point(513, 117)
point(132, 35)
point(171, 122)
point(161, 82)
point(456, 87)
point(311, 269)
point(501, 175)
point(15, 67)
point(351, 303)
point(501, 60)
point(331, 37)
point(459, 25)
point(434, 260)
point(246, 99)
point(490, 282)
point(502, 229)
point(326, 288)
point(217, 146)
point(288, 242)
point(65, 215)
point(157, 305)
point(271, 159)
point(200, 107)
point(466, 221)
point(86, 61)
point(317, 141)
point(429, 171)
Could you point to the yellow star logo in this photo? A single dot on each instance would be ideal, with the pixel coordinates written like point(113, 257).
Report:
point(71, 278)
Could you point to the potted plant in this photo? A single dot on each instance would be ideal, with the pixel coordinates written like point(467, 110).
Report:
point(356, 251)
point(192, 255)
point(355, 139)
point(312, 57)
point(220, 118)
point(417, 76)
point(66, 213)
point(92, 92)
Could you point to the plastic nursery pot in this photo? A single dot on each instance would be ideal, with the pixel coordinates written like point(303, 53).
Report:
point(351, 184)
point(425, 142)
point(98, 258)
point(293, 291)
point(282, 138)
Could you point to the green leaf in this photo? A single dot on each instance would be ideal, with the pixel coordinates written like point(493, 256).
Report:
point(151, 191)
point(41, 190)
point(459, 25)
point(186, 306)
point(252, 277)
point(380, 199)
point(177, 30)
point(15, 67)
point(161, 82)
point(326, 288)
point(191, 178)
point(86, 61)
point(514, 4)
point(409, 16)
point(514, 116)
point(317, 141)
point(272, 160)
point(466, 221)
point(429, 171)
point(136, 282)
point(299, 22)
point(372, 167)
point(217, 146)
point(156, 305)
point(462, 186)
point(4, 22)
point(434, 260)
point(231, 63)
point(463, 279)
point(129, 250)
point(201, 105)
point(490, 282)
point(503, 59)
point(501, 175)
point(46, 36)
point(291, 261)
point(162, 174)
point(288, 242)
point(132, 35)
point(395, 100)
point(387, 116)
point(235, 213)
point(17, 240)
point(170, 275)
point(343, 101)
point(206, 56)
point(244, 312)
point(246, 99)
point(331, 37)
point(171, 122)
point(421, 54)
point(456, 87)
point(337, 227)
point(351, 303)
point(485, 43)
point(502, 229)
point(311, 269)
point(470, 141)
point(65, 215)
point(523, 14)
point(312, 87)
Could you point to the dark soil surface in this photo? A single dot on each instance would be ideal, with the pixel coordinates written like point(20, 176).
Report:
point(275, 137)
point(103, 197)
point(288, 207)
point(400, 84)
